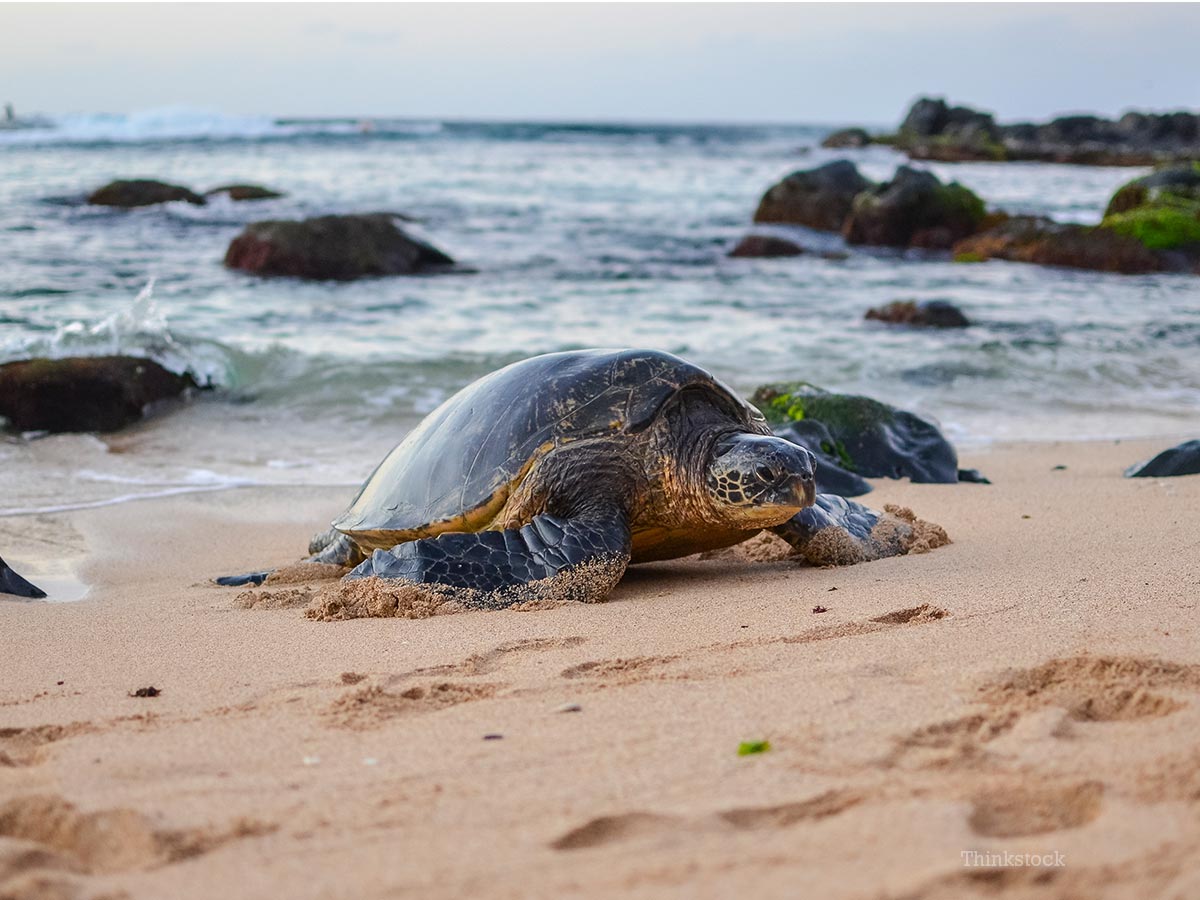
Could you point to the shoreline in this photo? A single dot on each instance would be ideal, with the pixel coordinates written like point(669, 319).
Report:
point(1034, 687)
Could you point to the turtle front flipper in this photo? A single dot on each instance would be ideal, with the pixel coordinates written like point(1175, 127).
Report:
point(12, 583)
point(330, 547)
point(551, 558)
point(835, 531)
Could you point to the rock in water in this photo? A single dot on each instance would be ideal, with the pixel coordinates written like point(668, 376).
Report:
point(765, 246)
point(929, 314)
point(141, 192)
point(847, 137)
point(338, 248)
point(244, 192)
point(100, 393)
point(855, 438)
point(914, 209)
point(1181, 460)
point(817, 198)
point(1039, 240)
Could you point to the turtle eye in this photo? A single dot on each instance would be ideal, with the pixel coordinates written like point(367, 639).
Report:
point(765, 474)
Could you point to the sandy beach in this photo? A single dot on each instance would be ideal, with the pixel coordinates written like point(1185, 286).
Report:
point(1033, 688)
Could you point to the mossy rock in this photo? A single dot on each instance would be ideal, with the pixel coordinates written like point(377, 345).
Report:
point(1160, 210)
point(914, 209)
point(855, 437)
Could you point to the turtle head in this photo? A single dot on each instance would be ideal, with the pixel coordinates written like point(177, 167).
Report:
point(759, 481)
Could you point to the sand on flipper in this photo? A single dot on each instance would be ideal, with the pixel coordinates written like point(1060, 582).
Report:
point(375, 597)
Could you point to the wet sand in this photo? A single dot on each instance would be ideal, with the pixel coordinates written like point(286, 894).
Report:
point(1032, 688)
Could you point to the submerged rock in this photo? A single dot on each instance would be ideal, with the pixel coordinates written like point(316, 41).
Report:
point(765, 246)
point(337, 248)
point(847, 138)
point(855, 438)
point(817, 198)
point(141, 192)
point(93, 393)
point(929, 314)
point(1183, 459)
point(914, 209)
point(244, 192)
point(1039, 240)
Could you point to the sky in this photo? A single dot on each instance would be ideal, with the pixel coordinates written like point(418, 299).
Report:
point(786, 62)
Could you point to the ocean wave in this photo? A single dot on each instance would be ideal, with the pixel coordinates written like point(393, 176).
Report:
point(180, 123)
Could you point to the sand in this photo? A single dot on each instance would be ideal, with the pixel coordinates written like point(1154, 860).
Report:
point(1031, 689)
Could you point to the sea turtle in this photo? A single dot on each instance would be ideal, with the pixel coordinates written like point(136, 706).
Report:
point(548, 477)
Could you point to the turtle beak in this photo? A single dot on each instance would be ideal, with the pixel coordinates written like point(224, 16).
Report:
point(806, 482)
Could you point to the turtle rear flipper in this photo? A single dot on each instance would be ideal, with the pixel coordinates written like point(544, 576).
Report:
point(836, 531)
point(551, 558)
point(333, 547)
point(12, 583)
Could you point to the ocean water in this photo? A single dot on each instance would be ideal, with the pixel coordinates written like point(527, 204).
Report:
point(578, 235)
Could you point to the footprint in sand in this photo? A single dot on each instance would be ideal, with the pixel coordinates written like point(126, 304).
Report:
point(1089, 689)
point(632, 825)
point(489, 661)
point(371, 707)
point(1096, 688)
point(635, 668)
point(112, 840)
point(23, 746)
point(1020, 810)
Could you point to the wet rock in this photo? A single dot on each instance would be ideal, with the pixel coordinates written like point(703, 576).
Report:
point(244, 192)
point(914, 209)
point(929, 314)
point(857, 437)
point(1034, 239)
point(101, 393)
point(817, 198)
point(1161, 211)
point(141, 192)
point(337, 248)
point(765, 246)
point(847, 138)
point(1181, 460)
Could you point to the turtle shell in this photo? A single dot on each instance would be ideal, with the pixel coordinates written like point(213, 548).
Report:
point(455, 471)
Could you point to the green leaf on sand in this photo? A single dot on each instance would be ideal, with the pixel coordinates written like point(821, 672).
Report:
point(749, 748)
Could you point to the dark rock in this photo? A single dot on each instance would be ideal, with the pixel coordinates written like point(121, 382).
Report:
point(765, 245)
point(847, 138)
point(932, 129)
point(974, 476)
point(14, 584)
point(1033, 239)
point(337, 248)
point(1181, 460)
point(817, 198)
point(856, 437)
point(914, 209)
point(141, 192)
point(244, 192)
point(937, 131)
point(929, 314)
point(100, 393)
